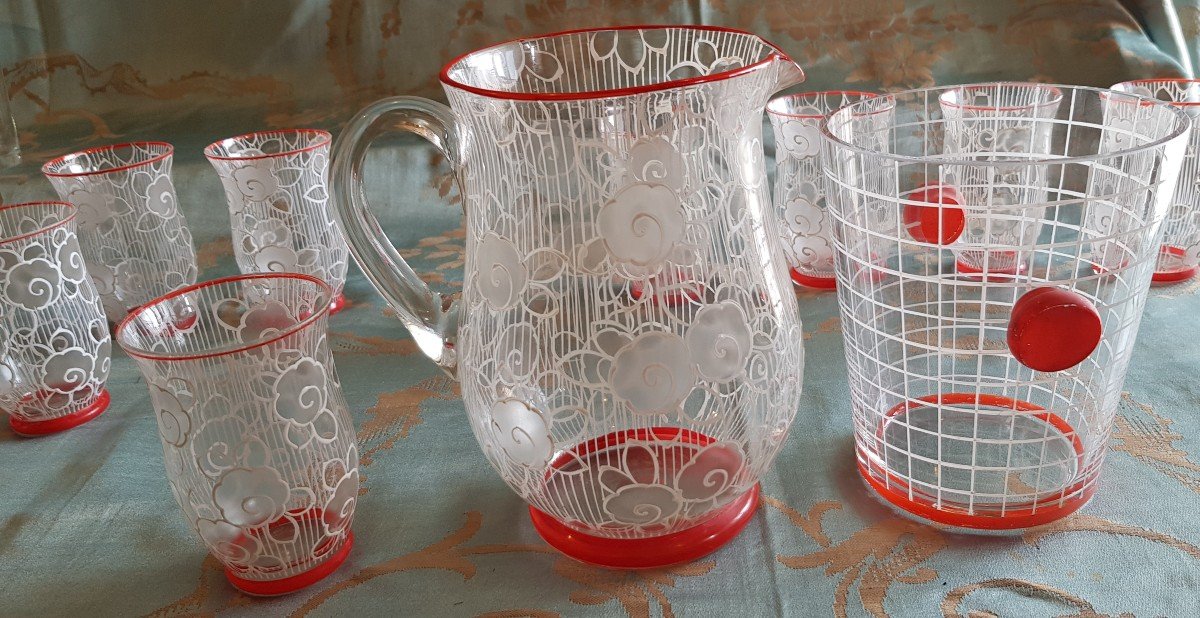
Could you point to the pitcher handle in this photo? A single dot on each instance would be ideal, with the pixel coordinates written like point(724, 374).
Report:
point(432, 319)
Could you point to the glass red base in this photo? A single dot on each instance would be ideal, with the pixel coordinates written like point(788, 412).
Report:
point(32, 429)
point(650, 553)
point(1016, 516)
point(809, 281)
point(338, 303)
point(976, 272)
point(288, 585)
point(1174, 275)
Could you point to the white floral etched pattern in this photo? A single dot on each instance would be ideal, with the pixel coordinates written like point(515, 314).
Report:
point(276, 190)
point(258, 441)
point(622, 276)
point(653, 374)
point(1181, 231)
point(54, 343)
point(522, 433)
point(641, 225)
point(502, 274)
point(999, 121)
point(134, 237)
point(718, 341)
point(799, 186)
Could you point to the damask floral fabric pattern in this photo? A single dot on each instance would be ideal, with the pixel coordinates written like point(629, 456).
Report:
point(436, 527)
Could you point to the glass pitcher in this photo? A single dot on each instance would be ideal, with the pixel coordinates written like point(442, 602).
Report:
point(604, 171)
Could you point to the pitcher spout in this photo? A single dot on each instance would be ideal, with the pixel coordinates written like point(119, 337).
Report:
point(788, 73)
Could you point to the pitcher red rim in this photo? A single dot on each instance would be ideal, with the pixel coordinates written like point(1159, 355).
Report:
point(47, 168)
point(444, 75)
point(70, 210)
point(321, 310)
point(324, 138)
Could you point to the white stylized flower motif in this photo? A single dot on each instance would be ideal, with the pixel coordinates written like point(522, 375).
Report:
point(129, 278)
point(96, 208)
point(501, 274)
point(227, 542)
point(635, 492)
point(711, 472)
point(654, 160)
point(522, 432)
point(517, 352)
point(269, 232)
point(803, 216)
point(301, 392)
point(251, 496)
point(339, 510)
point(33, 285)
point(809, 236)
point(719, 340)
point(799, 139)
point(264, 319)
point(641, 225)
point(1017, 139)
point(227, 442)
point(70, 262)
point(255, 182)
point(160, 196)
point(653, 374)
point(276, 259)
point(643, 505)
point(174, 418)
point(68, 371)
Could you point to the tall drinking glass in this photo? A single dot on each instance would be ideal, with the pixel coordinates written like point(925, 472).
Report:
point(276, 184)
point(54, 342)
point(260, 450)
point(134, 238)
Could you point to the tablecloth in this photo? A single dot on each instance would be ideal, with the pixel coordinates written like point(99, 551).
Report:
point(88, 525)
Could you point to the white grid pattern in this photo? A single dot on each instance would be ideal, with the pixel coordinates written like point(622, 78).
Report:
point(948, 424)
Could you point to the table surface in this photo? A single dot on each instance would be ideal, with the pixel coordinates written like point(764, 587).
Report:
point(88, 524)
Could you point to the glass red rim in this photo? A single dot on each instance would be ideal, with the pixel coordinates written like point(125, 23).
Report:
point(444, 75)
point(324, 138)
point(1055, 100)
point(70, 209)
point(321, 309)
point(48, 168)
point(799, 96)
point(1160, 80)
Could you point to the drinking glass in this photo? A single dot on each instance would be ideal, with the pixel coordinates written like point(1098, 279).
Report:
point(54, 342)
point(259, 447)
point(1179, 256)
point(276, 186)
point(134, 238)
point(985, 403)
point(997, 120)
point(800, 184)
